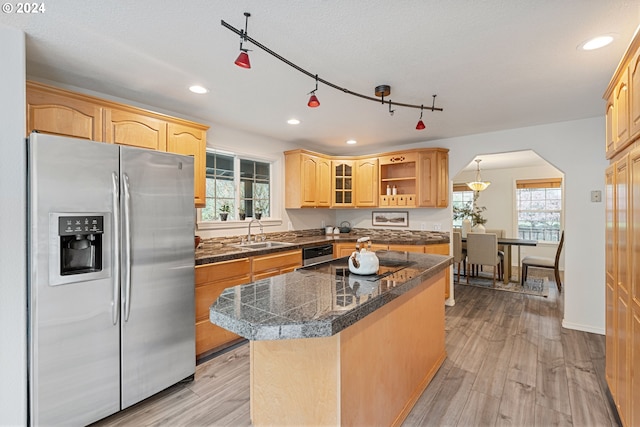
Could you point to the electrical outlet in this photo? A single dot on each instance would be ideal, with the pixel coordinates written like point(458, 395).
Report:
point(596, 196)
point(437, 226)
point(423, 226)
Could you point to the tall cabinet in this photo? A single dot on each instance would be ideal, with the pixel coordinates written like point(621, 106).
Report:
point(622, 236)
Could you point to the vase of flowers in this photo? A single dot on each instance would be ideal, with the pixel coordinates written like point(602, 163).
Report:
point(471, 215)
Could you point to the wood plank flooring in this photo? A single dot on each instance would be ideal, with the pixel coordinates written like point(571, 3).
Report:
point(509, 363)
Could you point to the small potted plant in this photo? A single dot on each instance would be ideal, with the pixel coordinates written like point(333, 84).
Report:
point(258, 212)
point(225, 208)
point(242, 214)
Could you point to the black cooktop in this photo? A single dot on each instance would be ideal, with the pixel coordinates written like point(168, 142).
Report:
point(340, 267)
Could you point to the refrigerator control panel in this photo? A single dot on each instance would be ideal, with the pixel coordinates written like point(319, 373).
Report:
point(72, 225)
point(79, 247)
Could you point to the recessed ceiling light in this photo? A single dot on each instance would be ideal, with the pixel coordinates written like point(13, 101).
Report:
point(198, 89)
point(352, 141)
point(596, 42)
point(293, 121)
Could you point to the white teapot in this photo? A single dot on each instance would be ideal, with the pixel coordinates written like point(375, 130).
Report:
point(363, 261)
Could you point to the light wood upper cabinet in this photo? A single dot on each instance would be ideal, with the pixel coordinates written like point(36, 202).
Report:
point(191, 141)
point(62, 113)
point(134, 129)
point(366, 182)
point(634, 97)
point(621, 111)
point(421, 178)
point(342, 183)
point(308, 180)
point(610, 146)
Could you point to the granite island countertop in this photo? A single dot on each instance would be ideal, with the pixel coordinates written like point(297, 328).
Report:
point(224, 249)
point(320, 300)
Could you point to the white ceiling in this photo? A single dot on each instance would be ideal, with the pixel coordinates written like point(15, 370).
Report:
point(494, 64)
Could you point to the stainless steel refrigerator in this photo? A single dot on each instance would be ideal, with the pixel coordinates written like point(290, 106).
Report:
point(111, 281)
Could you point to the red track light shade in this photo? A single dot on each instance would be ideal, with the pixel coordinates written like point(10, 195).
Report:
point(313, 101)
point(243, 60)
point(420, 125)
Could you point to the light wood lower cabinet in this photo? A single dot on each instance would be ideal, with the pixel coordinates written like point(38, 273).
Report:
point(274, 264)
point(622, 285)
point(212, 279)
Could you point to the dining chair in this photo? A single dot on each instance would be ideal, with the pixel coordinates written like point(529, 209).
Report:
point(499, 233)
point(482, 249)
point(459, 255)
point(544, 262)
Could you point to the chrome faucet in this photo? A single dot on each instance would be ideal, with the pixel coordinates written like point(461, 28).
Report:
point(249, 231)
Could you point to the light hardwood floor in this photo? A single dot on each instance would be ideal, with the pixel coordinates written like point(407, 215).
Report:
point(509, 363)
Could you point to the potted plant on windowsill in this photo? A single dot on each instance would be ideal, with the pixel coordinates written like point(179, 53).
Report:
point(225, 208)
point(241, 214)
point(257, 214)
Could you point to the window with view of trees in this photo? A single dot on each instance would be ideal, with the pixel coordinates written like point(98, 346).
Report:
point(240, 183)
point(462, 197)
point(539, 208)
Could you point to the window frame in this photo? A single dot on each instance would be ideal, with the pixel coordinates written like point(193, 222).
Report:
point(460, 188)
point(275, 212)
point(539, 183)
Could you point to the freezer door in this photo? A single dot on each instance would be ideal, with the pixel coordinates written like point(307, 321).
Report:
point(73, 342)
point(158, 336)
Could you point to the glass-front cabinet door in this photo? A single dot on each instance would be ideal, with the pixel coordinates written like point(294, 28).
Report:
point(342, 183)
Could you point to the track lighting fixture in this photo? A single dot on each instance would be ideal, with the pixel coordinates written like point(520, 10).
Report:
point(380, 91)
point(420, 125)
point(313, 99)
point(243, 59)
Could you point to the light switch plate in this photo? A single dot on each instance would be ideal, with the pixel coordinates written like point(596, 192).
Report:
point(596, 196)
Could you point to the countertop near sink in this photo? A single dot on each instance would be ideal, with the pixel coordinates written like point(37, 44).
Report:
point(225, 249)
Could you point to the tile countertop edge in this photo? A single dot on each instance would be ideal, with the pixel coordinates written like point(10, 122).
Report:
point(275, 327)
point(303, 242)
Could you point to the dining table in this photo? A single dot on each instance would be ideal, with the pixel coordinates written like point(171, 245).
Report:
point(508, 242)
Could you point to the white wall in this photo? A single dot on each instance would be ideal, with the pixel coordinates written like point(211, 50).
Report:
point(13, 269)
point(261, 147)
point(576, 148)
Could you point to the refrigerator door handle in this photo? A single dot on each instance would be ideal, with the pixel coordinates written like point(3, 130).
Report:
point(115, 304)
point(127, 248)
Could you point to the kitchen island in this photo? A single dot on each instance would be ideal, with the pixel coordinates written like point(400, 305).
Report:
point(332, 348)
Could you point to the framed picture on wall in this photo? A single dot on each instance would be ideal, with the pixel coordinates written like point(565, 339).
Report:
point(390, 218)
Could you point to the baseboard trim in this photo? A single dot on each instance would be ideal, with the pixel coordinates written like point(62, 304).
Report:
point(583, 328)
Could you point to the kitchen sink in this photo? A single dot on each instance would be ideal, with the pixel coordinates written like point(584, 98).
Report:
point(263, 245)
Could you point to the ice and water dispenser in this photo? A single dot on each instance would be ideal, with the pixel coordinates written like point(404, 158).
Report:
point(78, 243)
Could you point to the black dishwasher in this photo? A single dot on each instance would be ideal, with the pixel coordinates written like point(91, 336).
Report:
point(315, 254)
